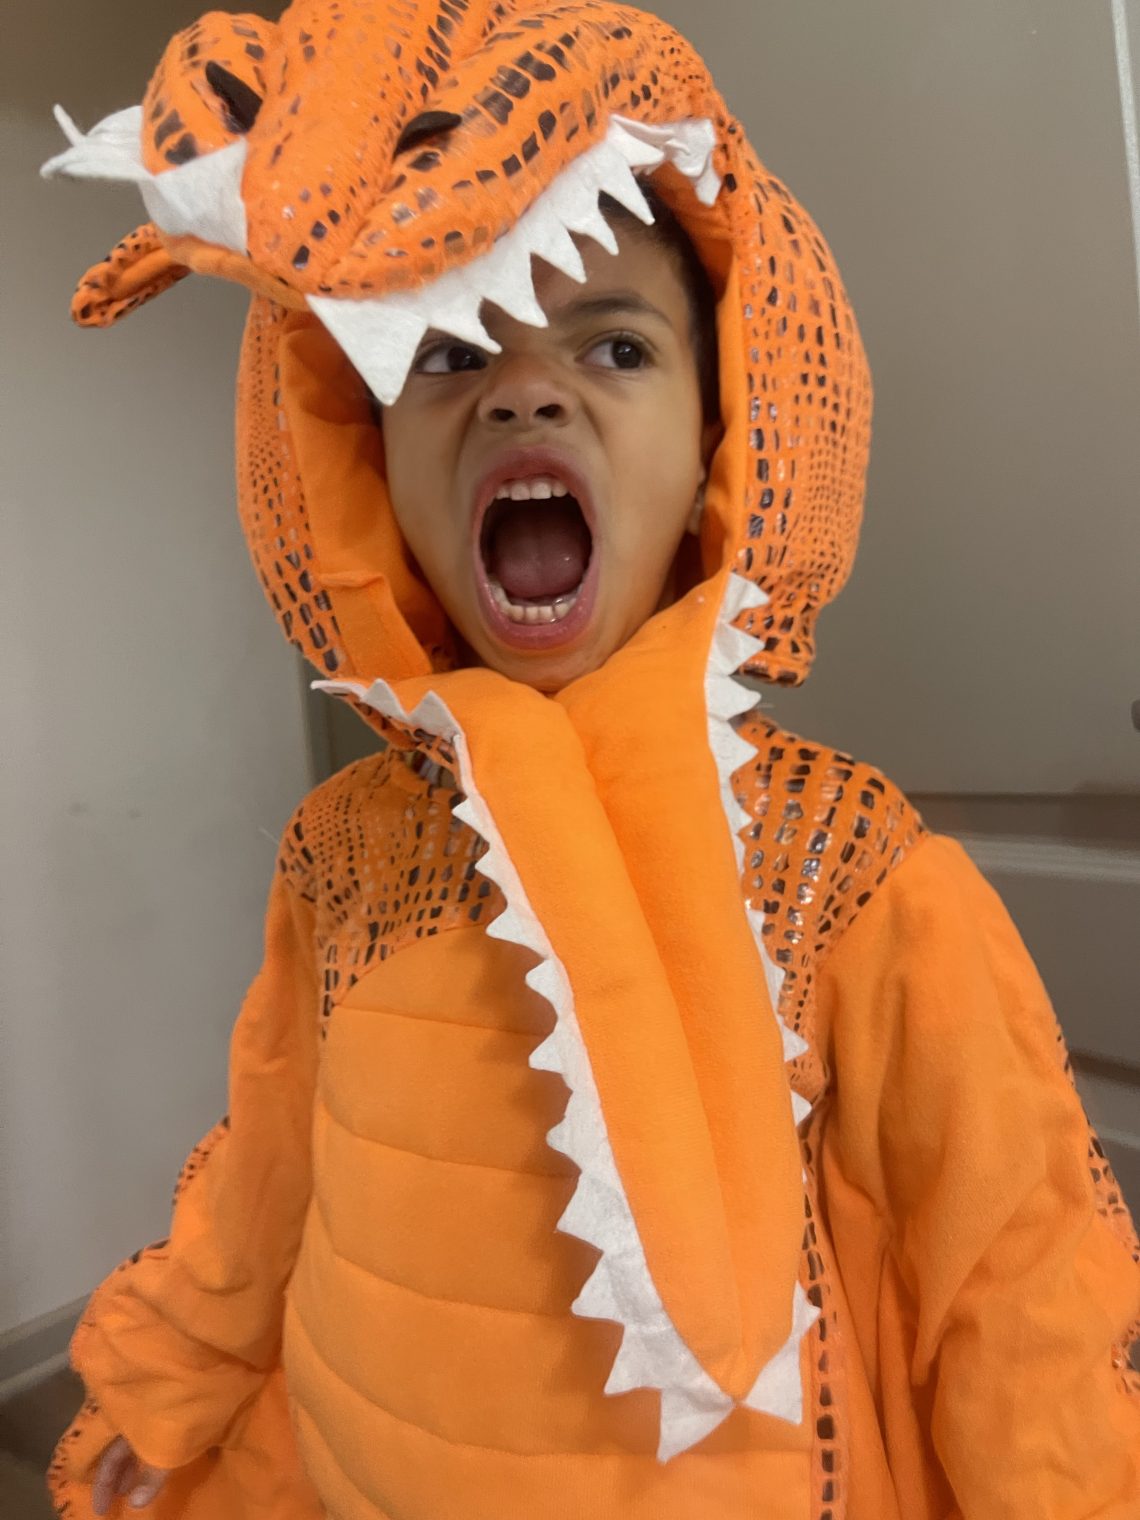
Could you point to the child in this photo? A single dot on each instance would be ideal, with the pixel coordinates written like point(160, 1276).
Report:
point(637, 1113)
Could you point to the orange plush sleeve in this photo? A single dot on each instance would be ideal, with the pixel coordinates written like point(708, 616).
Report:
point(178, 1341)
point(993, 1315)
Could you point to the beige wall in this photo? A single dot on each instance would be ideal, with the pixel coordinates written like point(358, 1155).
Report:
point(153, 736)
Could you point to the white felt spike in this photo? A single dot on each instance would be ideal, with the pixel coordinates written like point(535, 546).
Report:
point(459, 318)
point(737, 752)
point(794, 1045)
point(685, 1420)
point(596, 1300)
point(513, 289)
point(778, 1390)
point(544, 980)
point(617, 180)
point(467, 813)
point(433, 714)
point(561, 251)
point(728, 699)
point(749, 594)
point(738, 646)
point(507, 926)
point(638, 150)
point(380, 337)
point(592, 224)
point(630, 1369)
point(547, 1056)
point(112, 149)
point(801, 1108)
point(201, 197)
point(739, 818)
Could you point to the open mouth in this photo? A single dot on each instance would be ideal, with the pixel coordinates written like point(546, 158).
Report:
point(535, 554)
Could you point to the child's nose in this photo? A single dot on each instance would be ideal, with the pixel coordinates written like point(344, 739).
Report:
point(526, 389)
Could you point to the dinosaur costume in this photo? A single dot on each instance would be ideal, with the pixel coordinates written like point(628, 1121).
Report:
point(637, 1113)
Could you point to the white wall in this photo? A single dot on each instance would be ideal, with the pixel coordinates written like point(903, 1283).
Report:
point(153, 742)
point(966, 161)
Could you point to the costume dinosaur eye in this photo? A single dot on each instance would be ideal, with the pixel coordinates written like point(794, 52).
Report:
point(242, 103)
point(426, 124)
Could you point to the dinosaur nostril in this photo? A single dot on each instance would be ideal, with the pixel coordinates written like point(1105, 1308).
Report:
point(241, 102)
point(426, 124)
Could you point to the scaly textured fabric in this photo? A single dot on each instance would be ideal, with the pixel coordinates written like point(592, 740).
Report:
point(588, 1151)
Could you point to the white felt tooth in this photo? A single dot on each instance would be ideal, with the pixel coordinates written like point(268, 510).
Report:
point(547, 1056)
point(801, 1108)
point(380, 338)
point(739, 646)
point(339, 688)
point(576, 1217)
point(739, 818)
point(637, 151)
point(596, 1300)
point(112, 149)
point(747, 593)
point(545, 980)
point(433, 715)
point(774, 975)
point(559, 249)
point(736, 751)
point(778, 1390)
point(794, 1045)
point(201, 197)
point(708, 184)
point(458, 317)
point(595, 226)
point(728, 698)
point(512, 288)
point(507, 926)
point(467, 813)
point(686, 1419)
point(617, 179)
point(756, 924)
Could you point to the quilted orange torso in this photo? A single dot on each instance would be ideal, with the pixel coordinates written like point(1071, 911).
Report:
point(433, 1290)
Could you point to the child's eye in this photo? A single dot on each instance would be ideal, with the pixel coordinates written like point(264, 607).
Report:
point(449, 359)
point(620, 352)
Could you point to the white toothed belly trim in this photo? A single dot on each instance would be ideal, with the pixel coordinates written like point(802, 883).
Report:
point(652, 1353)
point(201, 197)
point(381, 336)
point(778, 1390)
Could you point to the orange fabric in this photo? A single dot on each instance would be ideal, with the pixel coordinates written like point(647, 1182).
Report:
point(365, 1303)
point(986, 1289)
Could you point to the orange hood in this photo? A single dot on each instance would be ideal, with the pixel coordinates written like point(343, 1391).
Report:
point(368, 171)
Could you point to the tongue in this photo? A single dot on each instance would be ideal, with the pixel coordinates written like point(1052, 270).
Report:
point(539, 550)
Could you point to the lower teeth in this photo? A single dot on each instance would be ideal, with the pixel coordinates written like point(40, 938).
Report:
point(532, 612)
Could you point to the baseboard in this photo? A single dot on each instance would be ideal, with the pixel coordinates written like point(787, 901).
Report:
point(36, 1350)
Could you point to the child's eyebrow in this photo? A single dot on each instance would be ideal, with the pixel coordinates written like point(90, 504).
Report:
point(611, 303)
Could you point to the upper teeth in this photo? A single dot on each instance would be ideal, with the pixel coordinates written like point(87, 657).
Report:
point(539, 488)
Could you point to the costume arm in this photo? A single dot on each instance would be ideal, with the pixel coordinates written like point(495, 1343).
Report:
point(177, 1341)
point(955, 1115)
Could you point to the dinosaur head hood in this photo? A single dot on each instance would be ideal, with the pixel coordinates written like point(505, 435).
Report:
point(368, 172)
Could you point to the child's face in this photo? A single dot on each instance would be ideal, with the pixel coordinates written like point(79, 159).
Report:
point(545, 490)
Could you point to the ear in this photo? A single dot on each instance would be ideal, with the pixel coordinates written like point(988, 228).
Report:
point(136, 270)
point(711, 435)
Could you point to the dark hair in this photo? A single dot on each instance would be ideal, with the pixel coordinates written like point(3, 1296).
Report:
point(666, 232)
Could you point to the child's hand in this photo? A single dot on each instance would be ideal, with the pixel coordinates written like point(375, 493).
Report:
point(121, 1472)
